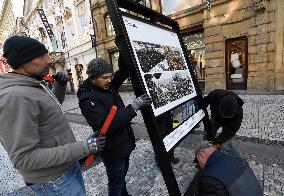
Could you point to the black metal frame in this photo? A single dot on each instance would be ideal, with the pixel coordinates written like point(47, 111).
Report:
point(46, 24)
point(156, 19)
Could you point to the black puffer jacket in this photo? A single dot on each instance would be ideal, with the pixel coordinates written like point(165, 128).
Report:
point(95, 105)
point(230, 125)
point(208, 186)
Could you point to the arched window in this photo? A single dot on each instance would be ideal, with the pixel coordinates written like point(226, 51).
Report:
point(109, 27)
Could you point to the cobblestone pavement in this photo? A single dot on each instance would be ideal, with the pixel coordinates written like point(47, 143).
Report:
point(260, 140)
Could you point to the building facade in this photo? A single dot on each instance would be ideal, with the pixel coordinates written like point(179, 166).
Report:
point(7, 26)
point(7, 20)
point(233, 44)
point(243, 42)
point(70, 43)
point(105, 34)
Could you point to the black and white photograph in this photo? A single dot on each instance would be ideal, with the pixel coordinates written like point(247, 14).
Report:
point(161, 64)
point(167, 87)
point(156, 58)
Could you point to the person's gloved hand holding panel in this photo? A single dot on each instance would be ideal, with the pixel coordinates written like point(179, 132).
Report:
point(140, 102)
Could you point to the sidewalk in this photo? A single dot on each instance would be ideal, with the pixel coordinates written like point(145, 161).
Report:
point(260, 139)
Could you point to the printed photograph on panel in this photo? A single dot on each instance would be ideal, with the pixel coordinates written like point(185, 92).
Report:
point(151, 57)
point(167, 87)
point(174, 58)
point(158, 58)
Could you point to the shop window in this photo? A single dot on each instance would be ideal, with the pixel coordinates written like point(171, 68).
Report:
point(195, 45)
point(109, 27)
point(171, 7)
point(236, 63)
point(146, 3)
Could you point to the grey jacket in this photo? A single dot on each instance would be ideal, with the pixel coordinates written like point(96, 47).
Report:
point(34, 131)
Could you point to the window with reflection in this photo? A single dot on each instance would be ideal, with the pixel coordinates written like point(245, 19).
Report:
point(196, 47)
point(109, 27)
point(82, 17)
point(174, 6)
point(236, 61)
point(146, 3)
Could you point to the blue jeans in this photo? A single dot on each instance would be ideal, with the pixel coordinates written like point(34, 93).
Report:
point(70, 183)
point(116, 172)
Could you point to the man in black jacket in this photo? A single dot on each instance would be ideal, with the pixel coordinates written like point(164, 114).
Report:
point(223, 174)
point(96, 97)
point(226, 112)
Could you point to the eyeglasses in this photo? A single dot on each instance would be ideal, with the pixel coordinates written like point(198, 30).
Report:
point(107, 77)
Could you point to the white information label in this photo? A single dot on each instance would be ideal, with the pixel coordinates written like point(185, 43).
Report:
point(174, 137)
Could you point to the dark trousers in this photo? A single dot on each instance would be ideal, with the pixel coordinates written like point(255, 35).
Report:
point(116, 172)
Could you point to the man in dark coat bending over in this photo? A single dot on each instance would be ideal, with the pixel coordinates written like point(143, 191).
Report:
point(226, 112)
point(96, 96)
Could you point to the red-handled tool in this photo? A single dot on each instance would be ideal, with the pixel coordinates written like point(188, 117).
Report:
point(103, 131)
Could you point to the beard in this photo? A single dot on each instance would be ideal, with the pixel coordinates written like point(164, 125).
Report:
point(39, 76)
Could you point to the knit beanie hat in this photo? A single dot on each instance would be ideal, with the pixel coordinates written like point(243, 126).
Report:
point(98, 67)
point(19, 50)
point(228, 106)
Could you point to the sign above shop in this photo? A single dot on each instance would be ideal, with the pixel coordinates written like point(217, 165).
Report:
point(194, 41)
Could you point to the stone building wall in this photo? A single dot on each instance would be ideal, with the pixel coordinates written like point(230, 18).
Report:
point(260, 21)
point(236, 18)
point(7, 21)
point(71, 24)
point(277, 7)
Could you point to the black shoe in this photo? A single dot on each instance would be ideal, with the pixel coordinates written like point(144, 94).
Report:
point(174, 160)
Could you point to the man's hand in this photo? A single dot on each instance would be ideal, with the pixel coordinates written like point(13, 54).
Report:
point(140, 102)
point(61, 78)
point(94, 143)
point(117, 41)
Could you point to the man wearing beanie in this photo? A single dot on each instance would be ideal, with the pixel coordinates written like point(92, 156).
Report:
point(34, 130)
point(96, 96)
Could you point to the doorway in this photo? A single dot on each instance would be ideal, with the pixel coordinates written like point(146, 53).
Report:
point(236, 63)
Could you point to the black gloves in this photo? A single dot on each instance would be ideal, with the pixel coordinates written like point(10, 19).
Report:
point(117, 41)
point(61, 78)
point(94, 143)
point(142, 101)
point(121, 62)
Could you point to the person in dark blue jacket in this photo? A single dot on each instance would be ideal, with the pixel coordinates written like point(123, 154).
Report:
point(223, 174)
point(97, 94)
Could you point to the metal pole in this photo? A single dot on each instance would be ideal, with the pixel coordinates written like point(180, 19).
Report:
point(93, 37)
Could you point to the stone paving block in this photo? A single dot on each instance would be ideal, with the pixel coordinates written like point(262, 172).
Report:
point(10, 179)
point(263, 115)
point(263, 119)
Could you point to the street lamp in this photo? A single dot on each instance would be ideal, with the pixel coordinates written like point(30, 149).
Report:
point(93, 36)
